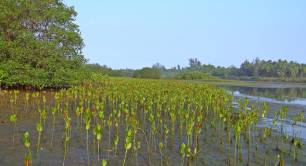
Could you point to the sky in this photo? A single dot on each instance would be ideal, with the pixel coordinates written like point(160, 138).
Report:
point(138, 33)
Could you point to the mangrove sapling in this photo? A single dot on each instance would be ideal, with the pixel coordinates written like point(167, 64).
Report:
point(116, 140)
point(78, 113)
point(295, 142)
point(266, 133)
point(191, 154)
point(275, 122)
point(87, 122)
point(280, 160)
point(153, 131)
point(109, 123)
point(161, 147)
point(104, 162)
point(94, 116)
point(98, 131)
point(28, 153)
point(251, 119)
point(127, 144)
point(166, 133)
point(228, 127)
point(198, 130)
point(282, 115)
point(189, 130)
point(183, 153)
point(237, 129)
point(53, 111)
point(13, 119)
point(67, 135)
point(27, 98)
point(136, 147)
point(181, 122)
point(39, 129)
point(44, 102)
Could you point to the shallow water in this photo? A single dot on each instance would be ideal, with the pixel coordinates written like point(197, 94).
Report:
point(289, 127)
point(291, 101)
point(212, 153)
point(275, 94)
point(295, 97)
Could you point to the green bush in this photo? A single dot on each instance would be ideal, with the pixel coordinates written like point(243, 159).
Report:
point(147, 72)
point(193, 75)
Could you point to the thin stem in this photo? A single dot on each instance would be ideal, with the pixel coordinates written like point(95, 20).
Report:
point(88, 163)
point(124, 158)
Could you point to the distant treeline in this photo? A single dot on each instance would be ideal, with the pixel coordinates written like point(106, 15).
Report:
point(257, 69)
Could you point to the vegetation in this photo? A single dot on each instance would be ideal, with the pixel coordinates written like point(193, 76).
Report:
point(147, 72)
point(258, 69)
point(161, 120)
point(40, 45)
point(194, 75)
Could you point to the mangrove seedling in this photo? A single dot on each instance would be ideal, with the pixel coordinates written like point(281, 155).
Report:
point(183, 153)
point(127, 144)
point(98, 132)
point(87, 121)
point(28, 153)
point(39, 129)
point(161, 147)
point(13, 119)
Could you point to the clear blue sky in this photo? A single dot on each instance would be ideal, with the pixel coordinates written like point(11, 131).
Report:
point(137, 33)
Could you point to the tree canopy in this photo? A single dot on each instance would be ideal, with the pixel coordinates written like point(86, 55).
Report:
point(147, 72)
point(40, 44)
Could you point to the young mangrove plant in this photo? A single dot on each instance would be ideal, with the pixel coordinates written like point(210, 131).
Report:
point(13, 119)
point(183, 153)
point(295, 141)
point(87, 122)
point(28, 153)
point(98, 131)
point(67, 134)
point(39, 129)
point(127, 144)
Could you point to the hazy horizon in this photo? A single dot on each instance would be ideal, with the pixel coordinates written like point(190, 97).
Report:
point(134, 34)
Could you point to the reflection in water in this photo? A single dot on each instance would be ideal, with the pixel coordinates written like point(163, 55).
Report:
point(288, 96)
point(282, 94)
point(298, 130)
point(274, 95)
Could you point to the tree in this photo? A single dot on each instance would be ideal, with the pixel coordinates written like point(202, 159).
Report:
point(246, 68)
point(158, 66)
point(147, 73)
point(39, 42)
point(194, 63)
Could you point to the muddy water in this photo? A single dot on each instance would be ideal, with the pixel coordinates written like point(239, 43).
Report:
point(214, 148)
point(277, 96)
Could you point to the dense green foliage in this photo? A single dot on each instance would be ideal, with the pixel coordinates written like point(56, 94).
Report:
point(281, 68)
point(193, 75)
point(40, 45)
point(257, 68)
point(146, 72)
